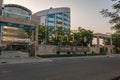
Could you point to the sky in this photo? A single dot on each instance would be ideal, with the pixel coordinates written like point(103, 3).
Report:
point(84, 13)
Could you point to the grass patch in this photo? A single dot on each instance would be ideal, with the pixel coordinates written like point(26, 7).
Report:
point(66, 55)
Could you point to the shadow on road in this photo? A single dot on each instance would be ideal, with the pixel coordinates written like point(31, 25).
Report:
point(116, 78)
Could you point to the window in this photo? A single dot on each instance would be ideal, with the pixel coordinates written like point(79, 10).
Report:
point(16, 13)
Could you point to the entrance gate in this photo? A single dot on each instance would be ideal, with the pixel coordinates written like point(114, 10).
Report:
point(105, 48)
point(24, 24)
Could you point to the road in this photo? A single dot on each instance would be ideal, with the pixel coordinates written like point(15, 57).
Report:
point(96, 68)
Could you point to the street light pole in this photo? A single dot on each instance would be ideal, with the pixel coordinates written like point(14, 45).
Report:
point(46, 28)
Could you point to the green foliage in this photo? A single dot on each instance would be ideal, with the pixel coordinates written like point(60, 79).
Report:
point(28, 32)
point(113, 15)
point(82, 37)
point(115, 21)
point(116, 41)
point(63, 36)
point(41, 33)
point(107, 41)
point(58, 33)
point(45, 34)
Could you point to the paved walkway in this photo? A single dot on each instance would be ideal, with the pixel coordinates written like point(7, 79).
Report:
point(13, 54)
point(14, 57)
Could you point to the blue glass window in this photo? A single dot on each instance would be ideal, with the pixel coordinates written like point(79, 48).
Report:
point(65, 24)
point(59, 17)
point(66, 27)
point(60, 13)
point(65, 19)
point(49, 21)
point(51, 15)
point(51, 24)
point(66, 14)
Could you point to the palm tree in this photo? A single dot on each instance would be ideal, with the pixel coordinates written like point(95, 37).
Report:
point(41, 34)
point(82, 37)
point(59, 32)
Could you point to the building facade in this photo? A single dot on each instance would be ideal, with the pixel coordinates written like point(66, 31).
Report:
point(15, 21)
point(17, 11)
point(55, 17)
point(15, 34)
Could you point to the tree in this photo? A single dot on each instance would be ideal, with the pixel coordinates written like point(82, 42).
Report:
point(42, 33)
point(28, 33)
point(116, 41)
point(59, 33)
point(50, 35)
point(62, 36)
point(113, 15)
point(66, 37)
point(82, 37)
point(115, 21)
point(86, 36)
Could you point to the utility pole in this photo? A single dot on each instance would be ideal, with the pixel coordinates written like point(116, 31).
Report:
point(46, 28)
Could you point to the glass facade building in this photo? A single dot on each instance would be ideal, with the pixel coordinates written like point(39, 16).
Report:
point(16, 11)
point(55, 17)
point(15, 34)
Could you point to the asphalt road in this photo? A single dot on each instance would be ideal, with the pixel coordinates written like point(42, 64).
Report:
point(97, 68)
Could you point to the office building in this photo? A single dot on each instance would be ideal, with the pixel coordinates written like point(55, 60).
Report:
point(55, 17)
point(15, 21)
point(11, 33)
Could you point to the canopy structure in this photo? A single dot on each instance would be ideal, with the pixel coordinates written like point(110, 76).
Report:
point(21, 23)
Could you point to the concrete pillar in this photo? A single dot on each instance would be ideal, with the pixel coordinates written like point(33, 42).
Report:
point(1, 35)
point(111, 44)
point(32, 43)
point(111, 40)
point(98, 42)
point(32, 36)
point(36, 40)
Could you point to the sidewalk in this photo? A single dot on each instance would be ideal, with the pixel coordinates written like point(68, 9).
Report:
point(113, 55)
point(15, 57)
point(85, 57)
point(13, 54)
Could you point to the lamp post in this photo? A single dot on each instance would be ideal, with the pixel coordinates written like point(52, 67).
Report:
point(46, 28)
